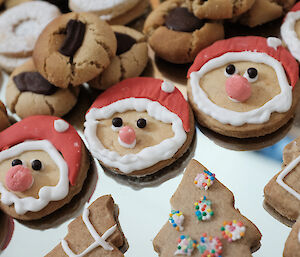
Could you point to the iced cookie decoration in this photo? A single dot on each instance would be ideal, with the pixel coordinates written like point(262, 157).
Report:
point(139, 126)
point(206, 236)
point(233, 230)
point(203, 209)
point(28, 93)
point(186, 246)
point(244, 86)
point(4, 122)
point(95, 233)
point(176, 219)
point(282, 194)
point(43, 164)
point(204, 179)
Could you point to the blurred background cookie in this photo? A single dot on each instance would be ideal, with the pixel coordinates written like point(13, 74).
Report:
point(130, 60)
point(28, 93)
point(61, 4)
point(11, 3)
point(176, 35)
point(4, 122)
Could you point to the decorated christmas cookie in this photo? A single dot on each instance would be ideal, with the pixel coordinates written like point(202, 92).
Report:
point(6, 231)
point(43, 164)
point(244, 86)
point(139, 126)
point(228, 231)
point(4, 122)
point(94, 234)
point(292, 245)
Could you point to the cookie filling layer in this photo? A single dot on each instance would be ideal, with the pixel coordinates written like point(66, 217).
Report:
point(125, 42)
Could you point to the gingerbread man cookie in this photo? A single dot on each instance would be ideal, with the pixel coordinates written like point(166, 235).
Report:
point(4, 122)
point(94, 234)
point(244, 86)
point(204, 221)
point(139, 126)
point(43, 164)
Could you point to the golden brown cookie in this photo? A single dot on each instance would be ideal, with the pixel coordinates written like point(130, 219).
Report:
point(74, 48)
point(244, 86)
point(4, 122)
point(43, 164)
point(139, 126)
point(176, 35)
point(6, 231)
point(84, 233)
point(28, 93)
point(292, 245)
point(204, 220)
point(130, 60)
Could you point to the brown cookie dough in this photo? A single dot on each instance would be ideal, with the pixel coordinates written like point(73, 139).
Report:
point(130, 61)
point(26, 103)
point(102, 216)
point(64, 60)
point(177, 41)
point(220, 208)
point(292, 245)
point(4, 122)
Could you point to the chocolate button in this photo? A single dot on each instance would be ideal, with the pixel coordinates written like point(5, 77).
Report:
point(180, 19)
point(75, 34)
point(34, 82)
point(124, 42)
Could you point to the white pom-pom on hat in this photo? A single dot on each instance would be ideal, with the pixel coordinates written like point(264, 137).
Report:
point(61, 126)
point(274, 42)
point(167, 86)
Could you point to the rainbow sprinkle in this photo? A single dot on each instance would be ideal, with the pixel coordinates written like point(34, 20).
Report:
point(210, 246)
point(233, 230)
point(204, 179)
point(203, 209)
point(176, 218)
point(186, 245)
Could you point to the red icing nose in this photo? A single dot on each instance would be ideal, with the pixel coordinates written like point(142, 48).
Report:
point(127, 135)
point(18, 178)
point(238, 88)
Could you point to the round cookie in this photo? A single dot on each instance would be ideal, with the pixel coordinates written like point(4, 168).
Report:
point(28, 93)
point(43, 164)
point(4, 122)
point(176, 35)
point(244, 86)
point(130, 60)
point(139, 126)
point(74, 48)
point(21, 25)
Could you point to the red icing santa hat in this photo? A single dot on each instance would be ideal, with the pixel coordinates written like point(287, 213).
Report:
point(296, 7)
point(61, 134)
point(252, 44)
point(153, 89)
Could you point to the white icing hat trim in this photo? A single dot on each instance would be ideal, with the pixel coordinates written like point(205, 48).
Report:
point(61, 126)
point(289, 34)
point(167, 86)
point(280, 103)
point(274, 42)
point(46, 193)
point(149, 155)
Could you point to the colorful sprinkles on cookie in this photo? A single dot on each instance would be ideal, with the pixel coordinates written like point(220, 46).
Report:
point(210, 246)
point(176, 219)
point(233, 230)
point(204, 179)
point(186, 246)
point(203, 209)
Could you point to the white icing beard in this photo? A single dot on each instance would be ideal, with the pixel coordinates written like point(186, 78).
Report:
point(280, 103)
point(289, 34)
point(147, 157)
point(46, 193)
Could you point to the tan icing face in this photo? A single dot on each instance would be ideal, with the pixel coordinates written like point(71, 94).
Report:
point(154, 132)
point(263, 89)
point(47, 176)
point(297, 28)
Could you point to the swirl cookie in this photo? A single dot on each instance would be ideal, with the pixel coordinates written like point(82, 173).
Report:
point(204, 221)
point(176, 35)
point(139, 126)
point(130, 60)
point(28, 93)
point(43, 164)
point(74, 48)
point(4, 122)
point(244, 86)
point(96, 233)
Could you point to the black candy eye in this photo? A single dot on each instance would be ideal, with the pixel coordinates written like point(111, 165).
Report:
point(16, 162)
point(117, 122)
point(252, 73)
point(141, 123)
point(36, 165)
point(230, 69)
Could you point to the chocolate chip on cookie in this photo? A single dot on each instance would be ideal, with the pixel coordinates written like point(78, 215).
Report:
point(74, 48)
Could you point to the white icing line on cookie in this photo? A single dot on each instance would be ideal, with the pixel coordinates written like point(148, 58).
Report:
point(46, 193)
point(289, 34)
point(147, 157)
point(299, 236)
point(61, 126)
point(99, 240)
point(280, 103)
point(284, 173)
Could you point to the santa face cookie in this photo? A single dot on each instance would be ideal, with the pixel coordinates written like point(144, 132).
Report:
point(139, 126)
point(244, 86)
point(43, 164)
point(4, 122)
point(204, 221)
